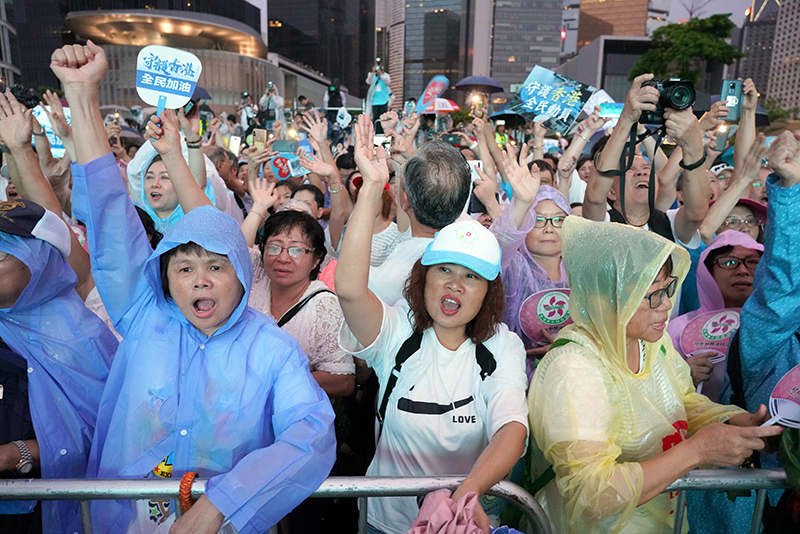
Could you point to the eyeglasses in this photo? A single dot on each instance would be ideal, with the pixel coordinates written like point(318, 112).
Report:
point(657, 296)
point(294, 252)
point(541, 222)
point(732, 262)
point(736, 222)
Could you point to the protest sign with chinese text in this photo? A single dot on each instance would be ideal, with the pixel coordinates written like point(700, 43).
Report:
point(552, 99)
point(166, 77)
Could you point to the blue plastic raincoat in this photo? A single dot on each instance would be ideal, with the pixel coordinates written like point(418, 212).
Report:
point(240, 406)
point(67, 350)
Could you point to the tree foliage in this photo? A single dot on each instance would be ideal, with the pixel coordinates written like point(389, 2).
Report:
point(776, 111)
point(679, 49)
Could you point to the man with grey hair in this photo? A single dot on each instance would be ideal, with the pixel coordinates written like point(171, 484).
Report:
point(433, 192)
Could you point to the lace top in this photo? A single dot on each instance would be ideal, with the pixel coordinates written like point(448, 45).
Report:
point(315, 327)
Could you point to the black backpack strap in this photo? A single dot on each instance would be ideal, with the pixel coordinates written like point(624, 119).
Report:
point(734, 368)
point(409, 347)
point(294, 310)
point(486, 360)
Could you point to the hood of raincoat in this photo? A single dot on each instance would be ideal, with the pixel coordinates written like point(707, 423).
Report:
point(546, 192)
point(67, 350)
point(610, 268)
point(707, 289)
point(214, 231)
point(137, 168)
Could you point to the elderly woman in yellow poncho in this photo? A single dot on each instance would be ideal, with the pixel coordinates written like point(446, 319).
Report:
point(612, 405)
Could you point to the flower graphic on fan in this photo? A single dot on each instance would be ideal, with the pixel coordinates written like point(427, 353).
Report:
point(722, 325)
point(555, 306)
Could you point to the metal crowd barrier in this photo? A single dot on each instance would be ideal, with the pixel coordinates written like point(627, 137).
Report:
point(85, 490)
point(760, 480)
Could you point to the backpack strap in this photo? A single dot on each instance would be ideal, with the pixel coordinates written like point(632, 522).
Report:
point(734, 368)
point(411, 345)
point(294, 310)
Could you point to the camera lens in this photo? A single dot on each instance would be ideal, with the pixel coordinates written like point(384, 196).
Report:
point(681, 96)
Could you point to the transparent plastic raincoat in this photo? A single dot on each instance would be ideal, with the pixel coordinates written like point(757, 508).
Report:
point(67, 351)
point(592, 418)
point(240, 407)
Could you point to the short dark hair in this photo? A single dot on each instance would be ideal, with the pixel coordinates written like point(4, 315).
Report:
point(188, 248)
point(155, 159)
point(319, 197)
point(437, 182)
point(346, 161)
point(543, 165)
point(153, 235)
point(285, 221)
point(231, 118)
point(479, 329)
point(301, 97)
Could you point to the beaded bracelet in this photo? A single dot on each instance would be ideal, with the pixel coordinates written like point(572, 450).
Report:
point(185, 492)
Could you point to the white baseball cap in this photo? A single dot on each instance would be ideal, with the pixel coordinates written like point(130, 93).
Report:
point(466, 243)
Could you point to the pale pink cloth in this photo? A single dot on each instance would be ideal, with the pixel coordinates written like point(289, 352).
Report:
point(441, 515)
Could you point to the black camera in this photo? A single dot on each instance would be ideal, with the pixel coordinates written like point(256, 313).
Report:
point(673, 93)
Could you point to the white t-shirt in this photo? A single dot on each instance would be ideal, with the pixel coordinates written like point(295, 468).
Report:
point(440, 415)
point(387, 281)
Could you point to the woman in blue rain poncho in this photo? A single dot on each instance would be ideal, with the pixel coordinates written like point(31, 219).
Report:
point(612, 406)
point(62, 348)
point(200, 379)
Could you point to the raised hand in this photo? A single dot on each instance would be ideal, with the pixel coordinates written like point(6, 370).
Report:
point(277, 127)
point(324, 170)
point(371, 171)
point(640, 98)
point(684, 128)
point(262, 191)
point(524, 184)
point(113, 129)
point(389, 120)
point(594, 122)
point(539, 131)
point(316, 125)
point(16, 127)
point(77, 65)
point(485, 188)
point(749, 95)
point(56, 115)
point(714, 117)
point(166, 137)
point(783, 157)
point(565, 167)
point(190, 124)
point(255, 159)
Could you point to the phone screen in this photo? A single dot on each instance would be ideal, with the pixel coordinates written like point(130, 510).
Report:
point(611, 110)
point(259, 139)
point(731, 94)
point(235, 144)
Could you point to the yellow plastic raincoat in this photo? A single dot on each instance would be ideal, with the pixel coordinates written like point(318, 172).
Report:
point(592, 418)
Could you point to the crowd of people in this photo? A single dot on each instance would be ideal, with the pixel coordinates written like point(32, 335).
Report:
point(181, 311)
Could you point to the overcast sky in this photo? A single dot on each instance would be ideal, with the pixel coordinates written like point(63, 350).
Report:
point(736, 7)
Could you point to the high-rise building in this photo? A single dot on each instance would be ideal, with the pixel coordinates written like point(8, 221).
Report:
point(9, 49)
point(621, 17)
point(334, 37)
point(525, 33)
point(438, 40)
point(756, 40)
point(784, 73)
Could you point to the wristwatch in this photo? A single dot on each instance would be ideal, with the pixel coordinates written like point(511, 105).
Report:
point(25, 464)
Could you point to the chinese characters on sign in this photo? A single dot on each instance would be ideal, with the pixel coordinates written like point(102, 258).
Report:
point(166, 77)
point(552, 99)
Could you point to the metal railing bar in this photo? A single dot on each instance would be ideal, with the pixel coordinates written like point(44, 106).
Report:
point(758, 512)
point(680, 510)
